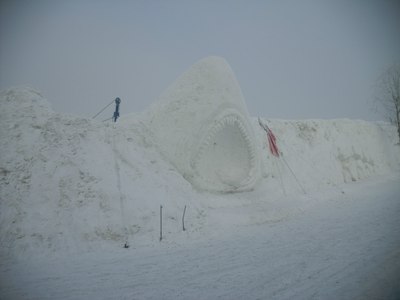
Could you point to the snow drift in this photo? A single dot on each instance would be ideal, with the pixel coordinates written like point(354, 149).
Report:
point(73, 184)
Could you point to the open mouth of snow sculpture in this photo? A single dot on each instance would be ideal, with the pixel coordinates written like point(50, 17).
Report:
point(201, 125)
point(226, 155)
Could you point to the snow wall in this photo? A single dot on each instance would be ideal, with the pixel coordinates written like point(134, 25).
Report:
point(74, 184)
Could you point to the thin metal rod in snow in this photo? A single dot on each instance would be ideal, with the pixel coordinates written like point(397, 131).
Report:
point(183, 218)
point(160, 223)
point(295, 177)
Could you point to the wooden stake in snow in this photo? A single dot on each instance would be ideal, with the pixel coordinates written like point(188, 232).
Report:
point(183, 218)
point(160, 223)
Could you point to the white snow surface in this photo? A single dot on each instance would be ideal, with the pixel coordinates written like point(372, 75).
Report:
point(74, 190)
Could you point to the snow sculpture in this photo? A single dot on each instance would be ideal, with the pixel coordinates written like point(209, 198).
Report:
point(202, 127)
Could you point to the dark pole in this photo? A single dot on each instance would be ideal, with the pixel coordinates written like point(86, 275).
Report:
point(160, 223)
point(183, 218)
point(116, 113)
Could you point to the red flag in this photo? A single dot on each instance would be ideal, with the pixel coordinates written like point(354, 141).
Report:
point(271, 139)
point(272, 143)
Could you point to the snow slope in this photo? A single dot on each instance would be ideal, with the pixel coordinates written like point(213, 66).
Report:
point(72, 185)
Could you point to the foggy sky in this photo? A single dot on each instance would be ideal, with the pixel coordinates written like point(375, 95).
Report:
point(293, 59)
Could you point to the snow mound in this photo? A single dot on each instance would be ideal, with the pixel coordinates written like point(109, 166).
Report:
point(71, 184)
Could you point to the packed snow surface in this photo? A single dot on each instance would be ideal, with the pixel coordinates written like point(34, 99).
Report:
point(74, 190)
point(345, 247)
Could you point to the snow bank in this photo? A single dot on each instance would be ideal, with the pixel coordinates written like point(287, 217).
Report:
point(330, 152)
point(73, 184)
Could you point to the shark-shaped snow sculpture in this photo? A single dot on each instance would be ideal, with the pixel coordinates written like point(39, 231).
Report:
point(201, 125)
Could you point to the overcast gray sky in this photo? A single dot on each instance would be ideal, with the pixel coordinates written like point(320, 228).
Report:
point(293, 59)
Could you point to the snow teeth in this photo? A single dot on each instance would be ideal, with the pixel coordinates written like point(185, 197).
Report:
point(213, 132)
point(217, 126)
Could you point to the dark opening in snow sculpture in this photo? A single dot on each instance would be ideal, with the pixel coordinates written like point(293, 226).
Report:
point(201, 126)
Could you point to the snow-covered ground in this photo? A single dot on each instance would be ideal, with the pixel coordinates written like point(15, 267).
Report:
point(345, 247)
point(321, 222)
